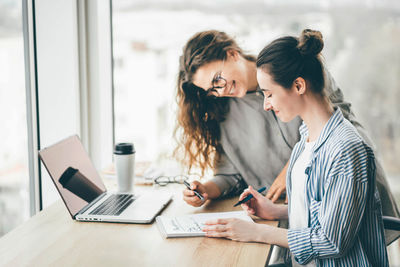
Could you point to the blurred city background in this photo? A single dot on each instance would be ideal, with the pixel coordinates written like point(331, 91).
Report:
point(362, 41)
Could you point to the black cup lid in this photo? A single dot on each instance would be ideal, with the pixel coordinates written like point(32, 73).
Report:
point(124, 149)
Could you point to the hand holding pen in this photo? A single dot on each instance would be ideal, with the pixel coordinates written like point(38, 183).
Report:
point(249, 196)
point(195, 194)
point(258, 205)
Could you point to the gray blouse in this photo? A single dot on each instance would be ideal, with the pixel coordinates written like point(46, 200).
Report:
point(257, 145)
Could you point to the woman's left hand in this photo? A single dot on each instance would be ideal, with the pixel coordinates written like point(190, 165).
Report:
point(278, 187)
point(235, 229)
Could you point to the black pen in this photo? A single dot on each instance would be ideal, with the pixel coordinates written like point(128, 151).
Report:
point(195, 192)
point(249, 197)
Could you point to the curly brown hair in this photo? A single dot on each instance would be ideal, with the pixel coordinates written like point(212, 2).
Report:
point(199, 116)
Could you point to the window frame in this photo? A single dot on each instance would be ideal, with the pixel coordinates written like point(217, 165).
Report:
point(93, 95)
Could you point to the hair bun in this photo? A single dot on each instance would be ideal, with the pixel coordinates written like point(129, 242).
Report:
point(310, 43)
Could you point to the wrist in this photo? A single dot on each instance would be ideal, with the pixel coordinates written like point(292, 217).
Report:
point(272, 235)
point(279, 212)
point(263, 233)
point(212, 190)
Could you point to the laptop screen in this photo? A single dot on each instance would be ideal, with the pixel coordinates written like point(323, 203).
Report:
point(73, 173)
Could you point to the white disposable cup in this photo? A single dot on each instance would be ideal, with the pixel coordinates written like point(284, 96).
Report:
point(124, 158)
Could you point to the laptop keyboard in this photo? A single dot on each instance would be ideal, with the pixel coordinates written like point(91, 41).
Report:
point(114, 205)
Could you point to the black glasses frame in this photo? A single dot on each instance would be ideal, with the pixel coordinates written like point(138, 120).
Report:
point(164, 180)
point(216, 84)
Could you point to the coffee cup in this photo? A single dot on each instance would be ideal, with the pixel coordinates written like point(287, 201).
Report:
point(124, 159)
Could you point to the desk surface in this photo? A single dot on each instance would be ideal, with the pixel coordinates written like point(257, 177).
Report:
point(52, 238)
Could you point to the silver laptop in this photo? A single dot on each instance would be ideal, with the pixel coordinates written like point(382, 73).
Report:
point(84, 193)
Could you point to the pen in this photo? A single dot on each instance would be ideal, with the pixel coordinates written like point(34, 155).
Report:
point(195, 192)
point(249, 196)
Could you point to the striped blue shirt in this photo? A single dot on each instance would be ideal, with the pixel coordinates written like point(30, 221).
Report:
point(344, 217)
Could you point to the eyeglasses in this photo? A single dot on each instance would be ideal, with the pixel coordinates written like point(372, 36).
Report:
point(218, 83)
point(177, 179)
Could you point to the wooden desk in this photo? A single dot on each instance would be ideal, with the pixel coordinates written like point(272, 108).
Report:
point(52, 238)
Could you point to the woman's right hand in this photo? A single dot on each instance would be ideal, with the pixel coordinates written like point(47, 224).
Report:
point(259, 205)
point(191, 198)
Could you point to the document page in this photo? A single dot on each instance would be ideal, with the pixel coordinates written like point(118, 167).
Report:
point(191, 225)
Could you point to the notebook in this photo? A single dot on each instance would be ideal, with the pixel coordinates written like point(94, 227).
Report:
point(191, 225)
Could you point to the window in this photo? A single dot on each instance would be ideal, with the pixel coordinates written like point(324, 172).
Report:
point(14, 173)
point(74, 79)
point(148, 38)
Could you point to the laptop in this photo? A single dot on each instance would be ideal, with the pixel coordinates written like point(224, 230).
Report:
point(84, 193)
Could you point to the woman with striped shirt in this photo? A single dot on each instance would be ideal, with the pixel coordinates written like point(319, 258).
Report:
point(334, 210)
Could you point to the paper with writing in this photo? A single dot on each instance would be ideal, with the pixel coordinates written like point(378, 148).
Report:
point(192, 224)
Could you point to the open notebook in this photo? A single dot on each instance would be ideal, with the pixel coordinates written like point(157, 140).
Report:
point(192, 224)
